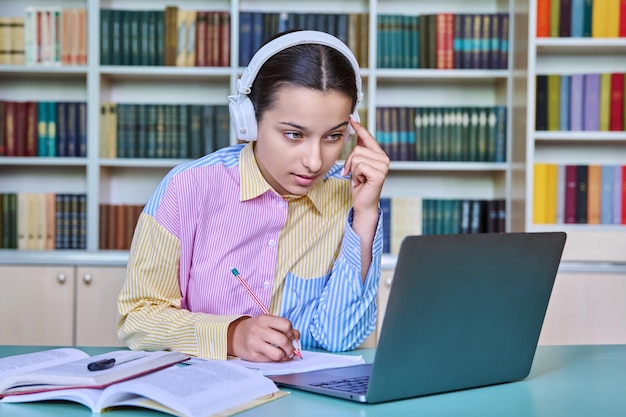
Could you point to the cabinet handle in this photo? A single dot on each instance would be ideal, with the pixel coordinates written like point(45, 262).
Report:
point(388, 281)
point(61, 278)
point(87, 278)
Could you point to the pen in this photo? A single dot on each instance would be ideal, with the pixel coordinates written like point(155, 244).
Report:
point(107, 363)
point(236, 273)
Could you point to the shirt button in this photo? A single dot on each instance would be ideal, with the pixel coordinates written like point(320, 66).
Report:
point(272, 243)
point(281, 203)
point(266, 285)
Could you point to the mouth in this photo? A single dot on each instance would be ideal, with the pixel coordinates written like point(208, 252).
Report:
point(305, 180)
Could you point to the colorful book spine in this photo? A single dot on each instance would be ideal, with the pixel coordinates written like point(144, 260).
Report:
point(591, 120)
point(607, 193)
point(576, 102)
point(571, 182)
point(564, 102)
point(577, 18)
point(543, 18)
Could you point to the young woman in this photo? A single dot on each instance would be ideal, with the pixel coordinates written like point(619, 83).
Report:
point(303, 231)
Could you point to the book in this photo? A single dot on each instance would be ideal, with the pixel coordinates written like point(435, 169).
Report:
point(587, 18)
point(543, 18)
point(578, 16)
point(554, 101)
point(605, 102)
point(540, 191)
point(541, 103)
point(576, 102)
point(612, 18)
point(618, 185)
point(564, 102)
point(591, 111)
point(565, 18)
point(594, 192)
point(582, 172)
point(607, 193)
point(555, 18)
point(55, 369)
point(570, 194)
point(599, 18)
point(560, 194)
point(200, 389)
point(616, 117)
point(406, 219)
point(551, 194)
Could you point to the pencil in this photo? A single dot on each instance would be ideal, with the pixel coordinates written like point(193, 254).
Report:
point(258, 301)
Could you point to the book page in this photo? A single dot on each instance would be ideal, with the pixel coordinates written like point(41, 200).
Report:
point(28, 362)
point(85, 396)
point(311, 361)
point(74, 374)
point(204, 388)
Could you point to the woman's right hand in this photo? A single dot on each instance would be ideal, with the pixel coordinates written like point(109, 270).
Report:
point(264, 338)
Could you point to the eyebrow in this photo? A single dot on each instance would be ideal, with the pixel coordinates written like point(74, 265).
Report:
point(297, 126)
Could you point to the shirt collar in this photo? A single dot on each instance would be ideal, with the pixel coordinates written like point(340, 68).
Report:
point(253, 184)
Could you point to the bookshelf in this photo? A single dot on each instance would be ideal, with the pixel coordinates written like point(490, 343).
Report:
point(590, 241)
point(131, 181)
point(586, 305)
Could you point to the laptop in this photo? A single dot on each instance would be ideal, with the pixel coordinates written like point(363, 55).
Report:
point(464, 311)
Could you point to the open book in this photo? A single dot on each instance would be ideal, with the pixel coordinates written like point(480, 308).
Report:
point(202, 389)
point(62, 368)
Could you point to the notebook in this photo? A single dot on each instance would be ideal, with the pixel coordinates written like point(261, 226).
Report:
point(464, 311)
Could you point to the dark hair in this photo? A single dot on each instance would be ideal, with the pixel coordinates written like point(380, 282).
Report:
point(314, 66)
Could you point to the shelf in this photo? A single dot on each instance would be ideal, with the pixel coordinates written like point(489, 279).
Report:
point(574, 227)
point(434, 74)
point(579, 46)
point(447, 166)
point(580, 136)
point(141, 163)
point(42, 70)
point(163, 72)
point(42, 161)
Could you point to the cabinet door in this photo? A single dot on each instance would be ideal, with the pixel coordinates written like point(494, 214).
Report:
point(384, 286)
point(36, 305)
point(586, 308)
point(97, 289)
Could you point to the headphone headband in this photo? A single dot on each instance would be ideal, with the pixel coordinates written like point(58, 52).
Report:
point(242, 111)
point(244, 83)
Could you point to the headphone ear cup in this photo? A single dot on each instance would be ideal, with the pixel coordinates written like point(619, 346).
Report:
point(243, 118)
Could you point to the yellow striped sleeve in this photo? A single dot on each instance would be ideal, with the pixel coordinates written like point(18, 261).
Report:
point(151, 316)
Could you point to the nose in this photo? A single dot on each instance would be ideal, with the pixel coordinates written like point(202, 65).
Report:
point(312, 158)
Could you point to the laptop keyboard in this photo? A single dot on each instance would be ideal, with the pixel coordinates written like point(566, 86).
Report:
point(356, 385)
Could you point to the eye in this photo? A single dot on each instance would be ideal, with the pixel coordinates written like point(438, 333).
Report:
point(293, 135)
point(334, 137)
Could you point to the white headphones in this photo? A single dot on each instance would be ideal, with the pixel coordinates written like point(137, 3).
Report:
point(242, 113)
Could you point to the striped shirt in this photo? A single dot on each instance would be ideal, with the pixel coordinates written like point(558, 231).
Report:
point(299, 254)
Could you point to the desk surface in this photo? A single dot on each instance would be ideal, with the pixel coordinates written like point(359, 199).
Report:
point(566, 381)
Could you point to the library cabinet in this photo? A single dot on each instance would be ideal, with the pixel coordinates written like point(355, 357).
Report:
point(59, 304)
point(588, 306)
point(562, 96)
